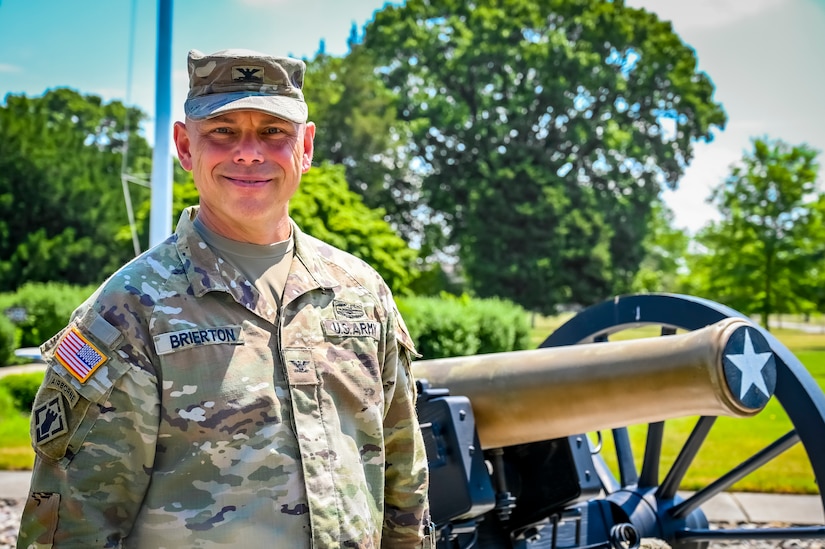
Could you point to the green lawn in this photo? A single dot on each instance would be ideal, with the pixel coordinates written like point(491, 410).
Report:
point(15, 448)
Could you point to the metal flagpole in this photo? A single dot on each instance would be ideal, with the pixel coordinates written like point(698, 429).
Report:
point(160, 219)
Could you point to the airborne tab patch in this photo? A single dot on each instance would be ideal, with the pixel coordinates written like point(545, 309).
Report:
point(184, 339)
point(79, 355)
point(59, 384)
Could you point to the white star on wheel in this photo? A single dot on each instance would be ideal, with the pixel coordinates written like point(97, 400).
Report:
point(751, 364)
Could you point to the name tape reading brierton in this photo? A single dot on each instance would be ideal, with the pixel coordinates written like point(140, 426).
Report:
point(184, 339)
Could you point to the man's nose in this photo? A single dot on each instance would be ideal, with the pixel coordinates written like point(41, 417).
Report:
point(249, 148)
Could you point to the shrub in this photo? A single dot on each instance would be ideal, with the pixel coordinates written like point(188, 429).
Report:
point(6, 340)
point(48, 308)
point(503, 326)
point(22, 388)
point(441, 327)
point(7, 405)
point(459, 326)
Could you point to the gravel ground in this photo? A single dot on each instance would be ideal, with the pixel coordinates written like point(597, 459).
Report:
point(10, 519)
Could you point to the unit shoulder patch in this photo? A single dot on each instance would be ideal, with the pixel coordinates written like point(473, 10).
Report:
point(49, 420)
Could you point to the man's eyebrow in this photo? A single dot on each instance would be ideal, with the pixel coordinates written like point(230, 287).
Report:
point(221, 119)
point(231, 118)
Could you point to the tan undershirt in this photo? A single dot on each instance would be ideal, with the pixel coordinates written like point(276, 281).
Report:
point(266, 266)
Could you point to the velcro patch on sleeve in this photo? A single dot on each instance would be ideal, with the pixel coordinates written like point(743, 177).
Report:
point(79, 355)
point(49, 420)
point(352, 328)
point(54, 424)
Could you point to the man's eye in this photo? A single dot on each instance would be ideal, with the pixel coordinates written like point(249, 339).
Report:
point(221, 130)
point(272, 131)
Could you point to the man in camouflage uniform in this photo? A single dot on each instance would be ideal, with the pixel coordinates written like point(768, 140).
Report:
point(241, 381)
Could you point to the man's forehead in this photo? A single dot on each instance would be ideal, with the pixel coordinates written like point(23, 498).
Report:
point(244, 115)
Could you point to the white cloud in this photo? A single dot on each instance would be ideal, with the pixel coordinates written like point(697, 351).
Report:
point(710, 166)
point(9, 68)
point(703, 14)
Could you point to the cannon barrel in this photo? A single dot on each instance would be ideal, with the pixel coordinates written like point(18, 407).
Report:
point(518, 397)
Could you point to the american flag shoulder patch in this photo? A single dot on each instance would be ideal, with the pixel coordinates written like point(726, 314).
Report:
point(79, 355)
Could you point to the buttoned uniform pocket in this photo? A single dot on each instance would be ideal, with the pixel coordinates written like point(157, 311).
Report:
point(351, 353)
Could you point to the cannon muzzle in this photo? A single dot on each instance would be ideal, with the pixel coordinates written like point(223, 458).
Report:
point(518, 397)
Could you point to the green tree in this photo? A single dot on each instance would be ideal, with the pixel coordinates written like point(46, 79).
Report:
point(325, 208)
point(544, 132)
point(184, 194)
point(61, 200)
point(665, 249)
point(764, 256)
point(358, 129)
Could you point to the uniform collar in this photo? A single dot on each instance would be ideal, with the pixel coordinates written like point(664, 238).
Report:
point(309, 270)
point(207, 272)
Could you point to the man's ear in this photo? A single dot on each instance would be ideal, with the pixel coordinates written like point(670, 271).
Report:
point(183, 145)
point(309, 146)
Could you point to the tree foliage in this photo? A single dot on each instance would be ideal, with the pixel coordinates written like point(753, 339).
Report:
point(325, 208)
point(358, 129)
point(665, 248)
point(543, 132)
point(766, 254)
point(61, 200)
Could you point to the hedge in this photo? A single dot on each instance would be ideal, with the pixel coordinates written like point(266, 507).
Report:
point(459, 326)
point(48, 308)
point(7, 340)
point(22, 388)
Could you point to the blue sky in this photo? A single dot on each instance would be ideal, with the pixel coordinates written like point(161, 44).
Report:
point(766, 58)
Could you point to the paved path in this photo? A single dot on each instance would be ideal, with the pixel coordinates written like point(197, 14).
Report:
point(26, 368)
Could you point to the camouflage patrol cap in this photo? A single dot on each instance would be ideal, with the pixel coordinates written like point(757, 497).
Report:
point(230, 80)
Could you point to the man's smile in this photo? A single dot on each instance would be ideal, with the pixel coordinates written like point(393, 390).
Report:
point(245, 180)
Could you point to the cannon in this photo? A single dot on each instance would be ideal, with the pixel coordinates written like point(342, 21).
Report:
point(514, 439)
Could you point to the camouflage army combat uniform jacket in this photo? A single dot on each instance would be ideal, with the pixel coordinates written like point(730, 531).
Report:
point(162, 421)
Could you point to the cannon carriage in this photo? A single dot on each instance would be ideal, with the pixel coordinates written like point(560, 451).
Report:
point(513, 439)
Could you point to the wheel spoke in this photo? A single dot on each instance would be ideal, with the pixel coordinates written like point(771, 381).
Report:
point(677, 472)
point(624, 455)
point(653, 453)
point(609, 483)
point(734, 475)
